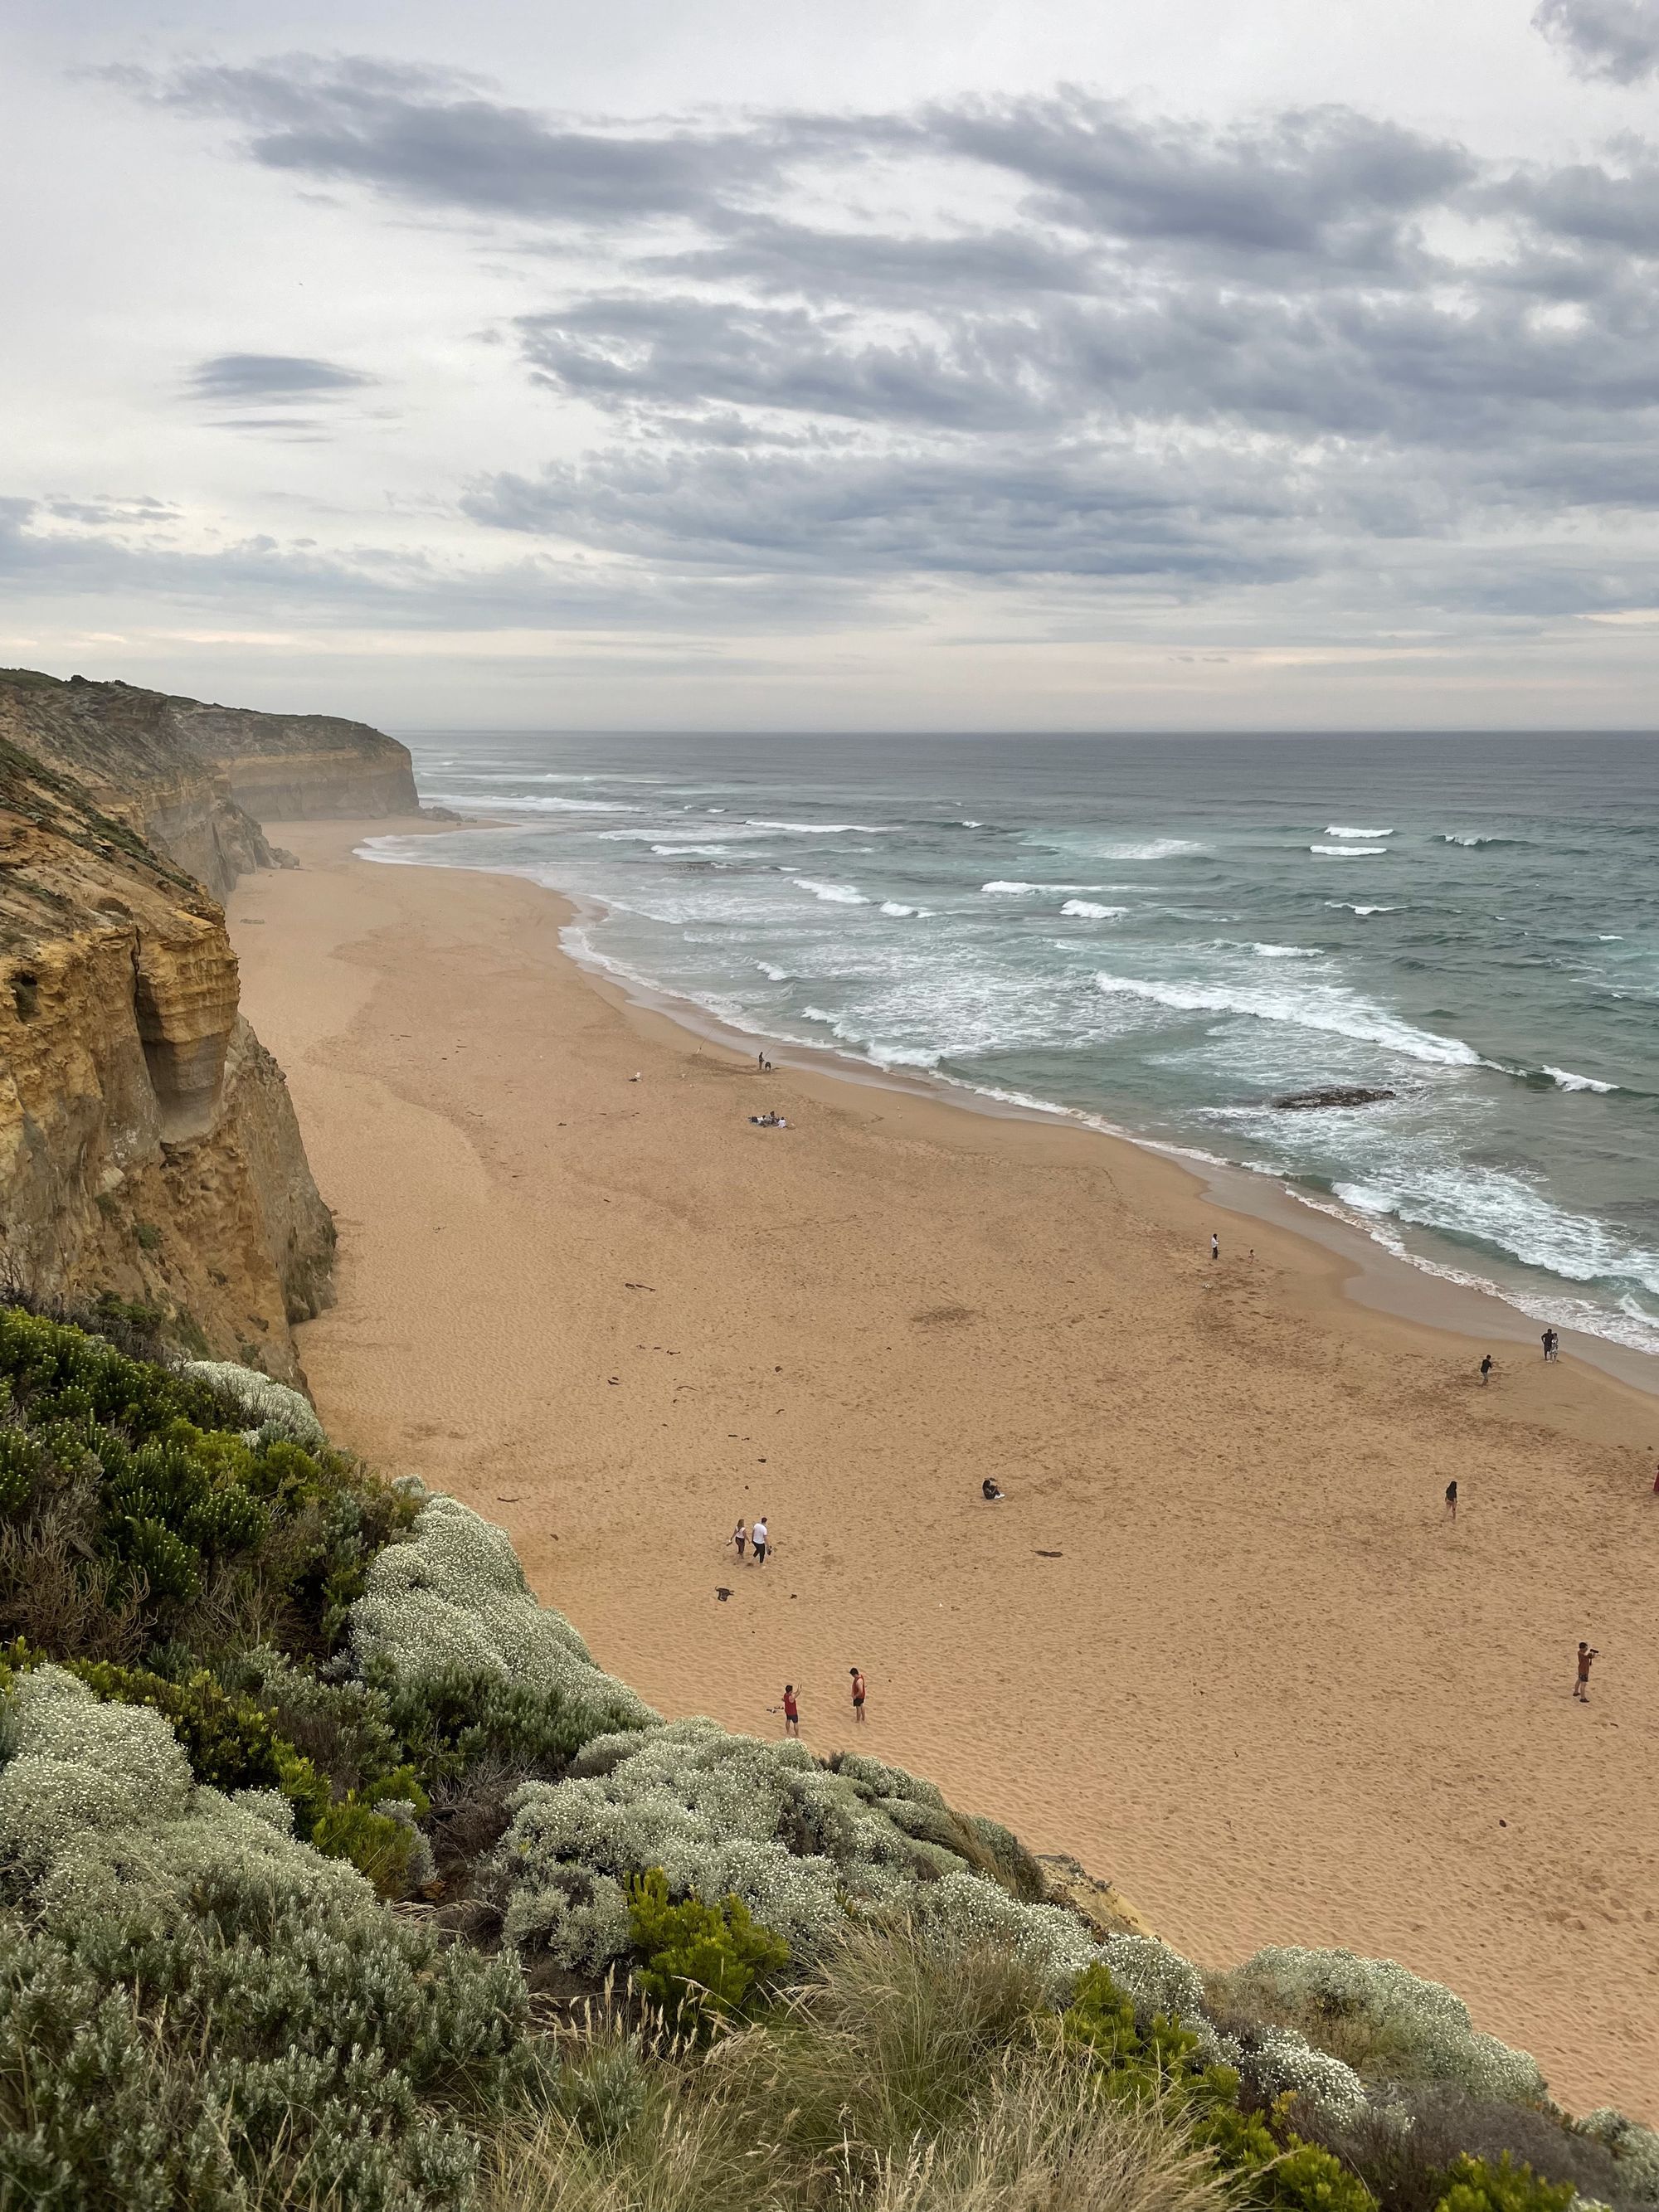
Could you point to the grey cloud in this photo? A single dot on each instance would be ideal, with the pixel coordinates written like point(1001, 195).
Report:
point(272, 379)
point(1615, 39)
point(435, 138)
point(1191, 360)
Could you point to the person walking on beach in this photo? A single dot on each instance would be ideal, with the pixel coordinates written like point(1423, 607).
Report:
point(857, 1673)
point(741, 1537)
point(760, 1535)
point(791, 1710)
point(1215, 1244)
point(1451, 1500)
point(1551, 1342)
point(1581, 1687)
point(1485, 1369)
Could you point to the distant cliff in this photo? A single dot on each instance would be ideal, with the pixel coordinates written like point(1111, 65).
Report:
point(196, 780)
point(147, 1145)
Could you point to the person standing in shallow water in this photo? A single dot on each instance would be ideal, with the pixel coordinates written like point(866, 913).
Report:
point(857, 1673)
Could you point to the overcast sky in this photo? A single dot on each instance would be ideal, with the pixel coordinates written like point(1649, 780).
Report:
point(1061, 364)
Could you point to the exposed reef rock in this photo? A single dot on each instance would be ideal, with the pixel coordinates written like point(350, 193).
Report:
point(147, 1145)
point(1308, 1101)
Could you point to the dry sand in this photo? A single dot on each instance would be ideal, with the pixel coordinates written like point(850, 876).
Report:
point(1219, 1642)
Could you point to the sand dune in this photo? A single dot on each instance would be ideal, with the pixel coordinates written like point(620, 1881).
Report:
point(1218, 1642)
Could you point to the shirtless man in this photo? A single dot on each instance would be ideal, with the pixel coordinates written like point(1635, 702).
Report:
point(857, 1673)
point(1581, 1687)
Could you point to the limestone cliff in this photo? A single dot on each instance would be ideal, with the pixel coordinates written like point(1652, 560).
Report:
point(196, 780)
point(147, 1145)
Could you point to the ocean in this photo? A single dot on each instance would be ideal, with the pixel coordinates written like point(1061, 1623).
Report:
point(1166, 936)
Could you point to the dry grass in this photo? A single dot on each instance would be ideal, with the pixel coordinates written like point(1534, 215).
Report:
point(904, 2078)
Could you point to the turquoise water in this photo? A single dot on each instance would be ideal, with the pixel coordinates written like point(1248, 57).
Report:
point(1166, 935)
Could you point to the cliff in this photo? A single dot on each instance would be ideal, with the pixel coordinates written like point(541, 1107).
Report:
point(195, 780)
point(147, 1145)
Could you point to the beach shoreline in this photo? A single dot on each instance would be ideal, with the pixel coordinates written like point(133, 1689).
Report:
point(1216, 1643)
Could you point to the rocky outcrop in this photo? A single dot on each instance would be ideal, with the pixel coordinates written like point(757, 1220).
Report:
point(196, 780)
point(1335, 1094)
point(147, 1145)
point(1101, 1904)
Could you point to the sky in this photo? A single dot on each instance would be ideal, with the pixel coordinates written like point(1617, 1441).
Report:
point(891, 365)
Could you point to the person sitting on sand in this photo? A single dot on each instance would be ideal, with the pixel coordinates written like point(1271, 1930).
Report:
point(760, 1536)
point(741, 1537)
point(989, 1491)
point(857, 1673)
point(1581, 1687)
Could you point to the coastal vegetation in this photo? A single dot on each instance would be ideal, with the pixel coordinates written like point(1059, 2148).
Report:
point(336, 1873)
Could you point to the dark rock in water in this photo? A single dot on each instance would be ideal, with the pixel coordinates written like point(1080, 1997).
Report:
point(1303, 1101)
point(441, 814)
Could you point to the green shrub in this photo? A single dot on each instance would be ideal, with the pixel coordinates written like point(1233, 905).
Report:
point(699, 1963)
point(1479, 2184)
point(20, 1468)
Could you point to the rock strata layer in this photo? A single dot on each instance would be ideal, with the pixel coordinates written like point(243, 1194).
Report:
point(148, 1144)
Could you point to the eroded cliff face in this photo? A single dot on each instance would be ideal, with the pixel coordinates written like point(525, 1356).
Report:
point(196, 780)
point(147, 1145)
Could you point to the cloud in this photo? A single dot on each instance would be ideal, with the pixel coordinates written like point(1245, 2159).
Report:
point(432, 137)
point(272, 379)
point(1615, 39)
point(1060, 349)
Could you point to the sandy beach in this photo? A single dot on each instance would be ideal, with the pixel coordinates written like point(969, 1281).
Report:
point(1218, 1641)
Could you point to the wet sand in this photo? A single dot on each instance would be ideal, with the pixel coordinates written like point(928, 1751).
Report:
point(1218, 1641)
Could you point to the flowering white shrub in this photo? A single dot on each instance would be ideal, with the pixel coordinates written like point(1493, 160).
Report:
point(1277, 2059)
point(269, 1406)
point(1155, 1978)
point(1426, 2030)
point(455, 1596)
point(972, 1910)
point(1634, 2148)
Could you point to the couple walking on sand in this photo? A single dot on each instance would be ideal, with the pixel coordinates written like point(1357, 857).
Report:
point(760, 1536)
point(791, 1707)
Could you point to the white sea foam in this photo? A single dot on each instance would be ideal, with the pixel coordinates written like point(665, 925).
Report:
point(1458, 837)
point(1341, 830)
point(1336, 1012)
point(533, 803)
point(1015, 889)
point(1565, 1079)
point(1508, 1212)
point(1086, 911)
point(893, 907)
point(770, 969)
point(832, 894)
point(1289, 952)
point(968, 823)
point(1349, 906)
point(700, 852)
point(1346, 852)
point(1153, 848)
point(816, 829)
